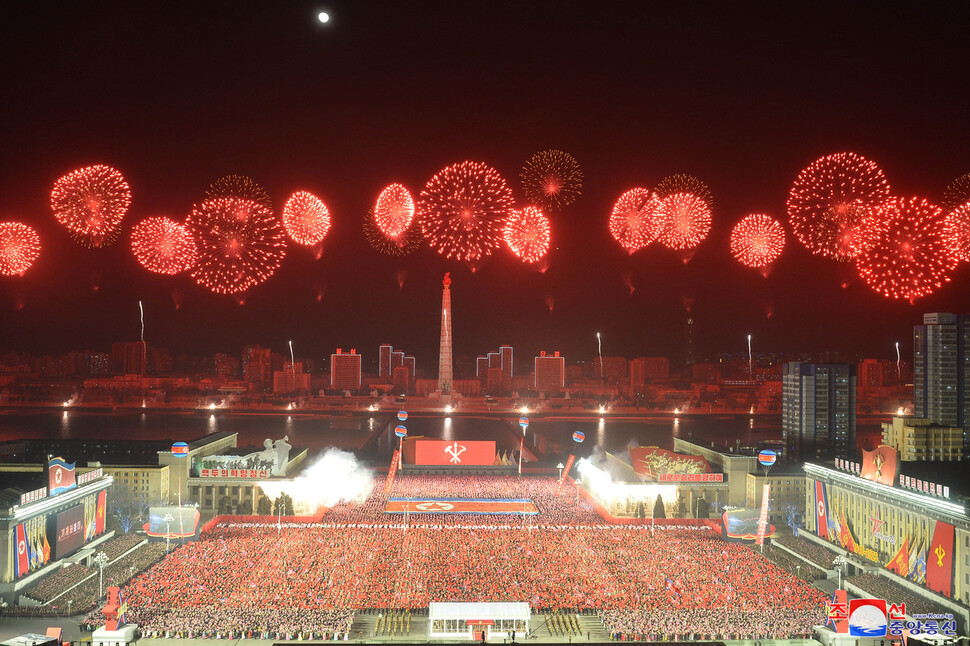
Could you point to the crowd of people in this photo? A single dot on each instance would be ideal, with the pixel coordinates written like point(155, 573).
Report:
point(817, 554)
point(881, 587)
point(119, 545)
point(553, 510)
point(56, 583)
point(60, 594)
point(792, 564)
point(663, 581)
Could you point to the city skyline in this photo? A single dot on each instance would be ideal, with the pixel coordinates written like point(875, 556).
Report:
point(712, 121)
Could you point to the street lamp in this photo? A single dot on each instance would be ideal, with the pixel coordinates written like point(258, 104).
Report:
point(560, 466)
point(799, 568)
point(839, 563)
point(168, 529)
point(101, 559)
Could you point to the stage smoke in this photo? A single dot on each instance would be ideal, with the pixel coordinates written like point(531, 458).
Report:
point(334, 477)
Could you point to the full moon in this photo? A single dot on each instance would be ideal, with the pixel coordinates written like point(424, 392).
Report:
point(323, 16)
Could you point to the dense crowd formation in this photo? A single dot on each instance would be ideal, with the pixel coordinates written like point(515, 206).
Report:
point(84, 597)
point(553, 510)
point(119, 545)
point(793, 564)
point(881, 587)
point(667, 581)
point(54, 584)
point(817, 554)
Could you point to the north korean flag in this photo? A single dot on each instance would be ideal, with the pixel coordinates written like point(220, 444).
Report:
point(821, 513)
point(23, 561)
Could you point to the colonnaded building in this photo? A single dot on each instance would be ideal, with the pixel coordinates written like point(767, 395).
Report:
point(913, 530)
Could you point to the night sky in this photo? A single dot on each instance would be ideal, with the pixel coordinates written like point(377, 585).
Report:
point(743, 96)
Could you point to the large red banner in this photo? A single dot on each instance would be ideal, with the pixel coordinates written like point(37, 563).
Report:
point(392, 471)
point(565, 473)
point(821, 513)
point(23, 562)
point(99, 519)
point(880, 465)
point(763, 517)
point(470, 453)
point(939, 561)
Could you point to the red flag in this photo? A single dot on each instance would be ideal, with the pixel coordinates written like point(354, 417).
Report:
point(900, 563)
point(763, 517)
point(939, 560)
point(99, 518)
point(565, 472)
point(845, 536)
point(23, 563)
point(391, 472)
point(821, 516)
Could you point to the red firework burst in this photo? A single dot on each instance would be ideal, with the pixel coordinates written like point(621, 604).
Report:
point(240, 244)
point(912, 255)
point(239, 186)
point(163, 245)
point(19, 248)
point(682, 183)
point(685, 220)
point(957, 193)
point(957, 230)
point(634, 222)
point(394, 210)
point(757, 240)
point(462, 211)
point(552, 179)
point(527, 233)
point(831, 205)
point(306, 218)
point(400, 245)
point(91, 202)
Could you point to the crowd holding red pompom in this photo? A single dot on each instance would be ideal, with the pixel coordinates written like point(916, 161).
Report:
point(264, 581)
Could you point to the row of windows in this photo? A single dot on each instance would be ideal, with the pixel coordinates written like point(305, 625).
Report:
point(461, 626)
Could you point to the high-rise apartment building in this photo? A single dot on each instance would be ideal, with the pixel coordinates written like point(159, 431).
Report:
point(384, 361)
point(644, 369)
point(505, 351)
point(550, 371)
point(291, 379)
point(818, 410)
point(129, 358)
point(257, 366)
point(389, 359)
point(941, 369)
point(345, 370)
point(612, 369)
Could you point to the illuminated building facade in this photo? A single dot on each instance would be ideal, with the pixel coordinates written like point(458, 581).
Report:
point(291, 379)
point(129, 358)
point(345, 370)
point(921, 439)
point(550, 372)
point(384, 361)
point(257, 366)
point(941, 388)
point(644, 369)
point(818, 410)
point(876, 521)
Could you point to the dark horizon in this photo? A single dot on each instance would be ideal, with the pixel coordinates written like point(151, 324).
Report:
point(742, 97)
